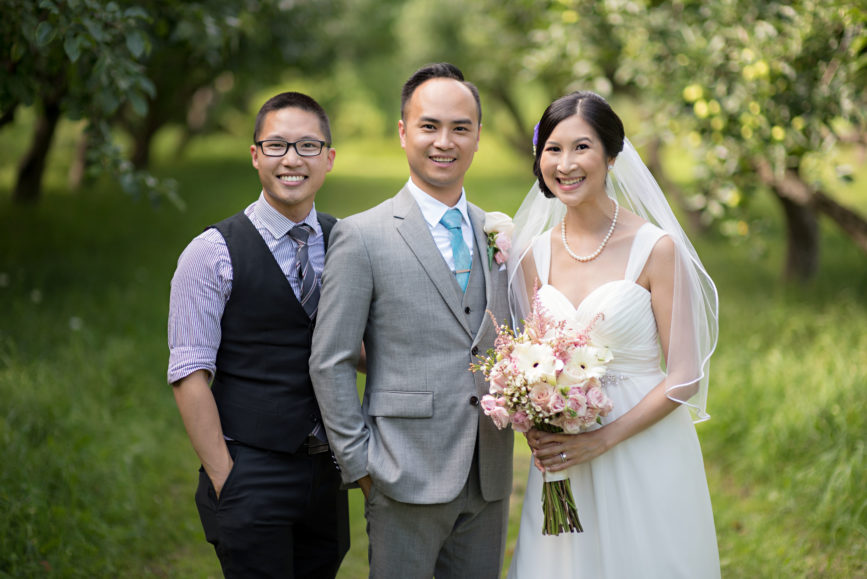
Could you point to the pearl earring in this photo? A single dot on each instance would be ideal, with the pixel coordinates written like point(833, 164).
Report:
point(611, 167)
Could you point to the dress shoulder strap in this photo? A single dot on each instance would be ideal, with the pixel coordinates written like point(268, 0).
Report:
point(645, 239)
point(542, 255)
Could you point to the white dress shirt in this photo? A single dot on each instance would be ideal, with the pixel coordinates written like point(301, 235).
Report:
point(433, 210)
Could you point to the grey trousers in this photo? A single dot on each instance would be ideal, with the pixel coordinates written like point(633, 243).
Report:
point(465, 538)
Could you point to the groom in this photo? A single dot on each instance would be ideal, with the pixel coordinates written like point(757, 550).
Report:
point(411, 278)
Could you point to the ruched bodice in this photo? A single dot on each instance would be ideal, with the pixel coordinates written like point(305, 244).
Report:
point(644, 504)
point(627, 327)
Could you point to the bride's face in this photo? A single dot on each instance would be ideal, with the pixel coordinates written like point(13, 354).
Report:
point(573, 162)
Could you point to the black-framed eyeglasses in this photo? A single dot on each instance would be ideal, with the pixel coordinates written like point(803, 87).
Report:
point(304, 147)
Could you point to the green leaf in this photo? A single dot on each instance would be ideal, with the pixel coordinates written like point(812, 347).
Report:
point(72, 46)
point(94, 29)
point(139, 104)
point(136, 12)
point(48, 5)
point(45, 33)
point(18, 51)
point(147, 86)
point(136, 42)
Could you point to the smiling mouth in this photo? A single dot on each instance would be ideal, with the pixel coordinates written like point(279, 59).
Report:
point(292, 178)
point(574, 181)
point(444, 160)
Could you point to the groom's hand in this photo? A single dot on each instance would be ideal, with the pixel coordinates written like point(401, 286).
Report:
point(364, 483)
point(218, 479)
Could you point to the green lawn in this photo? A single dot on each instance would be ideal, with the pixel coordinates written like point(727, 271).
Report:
point(98, 475)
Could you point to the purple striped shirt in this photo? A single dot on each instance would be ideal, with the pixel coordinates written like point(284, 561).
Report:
point(202, 285)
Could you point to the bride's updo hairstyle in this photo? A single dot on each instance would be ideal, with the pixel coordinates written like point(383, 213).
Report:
point(595, 111)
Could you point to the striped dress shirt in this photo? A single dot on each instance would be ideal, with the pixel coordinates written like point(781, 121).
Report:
point(202, 285)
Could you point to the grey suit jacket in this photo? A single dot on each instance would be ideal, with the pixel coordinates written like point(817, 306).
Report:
point(416, 428)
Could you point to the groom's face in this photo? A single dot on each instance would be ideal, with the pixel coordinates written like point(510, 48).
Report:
point(440, 134)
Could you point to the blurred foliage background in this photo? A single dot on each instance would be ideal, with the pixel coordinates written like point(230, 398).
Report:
point(124, 130)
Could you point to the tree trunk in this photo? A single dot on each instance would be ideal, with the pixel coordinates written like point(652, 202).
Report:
point(853, 224)
point(141, 151)
point(802, 240)
point(8, 115)
point(28, 187)
point(78, 168)
point(802, 204)
point(520, 141)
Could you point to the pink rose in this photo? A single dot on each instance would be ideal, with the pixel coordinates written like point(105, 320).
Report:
point(540, 394)
point(521, 421)
point(557, 403)
point(504, 244)
point(497, 380)
point(571, 425)
point(577, 402)
point(491, 403)
point(500, 416)
point(597, 399)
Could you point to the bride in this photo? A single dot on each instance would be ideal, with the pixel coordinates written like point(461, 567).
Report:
point(596, 235)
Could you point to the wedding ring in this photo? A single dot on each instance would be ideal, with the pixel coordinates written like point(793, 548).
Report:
point(563, 456)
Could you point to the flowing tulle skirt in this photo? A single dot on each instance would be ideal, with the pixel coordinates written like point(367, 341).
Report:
point(644, 506)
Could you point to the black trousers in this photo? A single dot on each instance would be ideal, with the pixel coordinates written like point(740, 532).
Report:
point(279, 515)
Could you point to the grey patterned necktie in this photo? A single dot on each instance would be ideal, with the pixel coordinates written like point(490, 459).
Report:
point(309, 297)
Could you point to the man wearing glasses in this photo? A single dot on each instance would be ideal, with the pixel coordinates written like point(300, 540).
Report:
point(243, 306)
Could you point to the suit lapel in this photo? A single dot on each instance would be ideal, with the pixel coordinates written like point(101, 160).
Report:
point(477, 216)
point(414, 230)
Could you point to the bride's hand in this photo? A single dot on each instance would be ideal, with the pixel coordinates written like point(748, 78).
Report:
point(555, 452)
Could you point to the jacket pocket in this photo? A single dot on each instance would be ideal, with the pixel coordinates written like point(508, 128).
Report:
point(401, 404)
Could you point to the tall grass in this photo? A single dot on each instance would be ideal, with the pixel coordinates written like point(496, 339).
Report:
point(98, 476)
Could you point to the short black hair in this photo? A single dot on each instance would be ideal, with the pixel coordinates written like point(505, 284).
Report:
point(436, 70)
point(591, 107)
point(286, 100)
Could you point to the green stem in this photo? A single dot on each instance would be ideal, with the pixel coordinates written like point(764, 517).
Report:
point(559, 510)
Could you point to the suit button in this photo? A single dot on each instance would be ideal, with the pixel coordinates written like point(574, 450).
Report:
point(474, 400)
point(475, 350)
point(466, 310)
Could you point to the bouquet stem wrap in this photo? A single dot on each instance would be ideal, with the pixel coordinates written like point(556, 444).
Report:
point(558, 504)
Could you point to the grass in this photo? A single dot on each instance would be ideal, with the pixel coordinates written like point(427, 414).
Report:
point(98, 476)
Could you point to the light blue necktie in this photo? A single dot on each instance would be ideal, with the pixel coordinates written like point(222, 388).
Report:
point(460, 252)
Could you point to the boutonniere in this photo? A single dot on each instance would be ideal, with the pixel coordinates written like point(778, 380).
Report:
point(498, 227)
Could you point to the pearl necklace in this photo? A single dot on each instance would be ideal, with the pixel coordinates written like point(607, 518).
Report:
point(599, 249)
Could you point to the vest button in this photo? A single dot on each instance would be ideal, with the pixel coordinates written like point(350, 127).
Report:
point(474, 400)
point(475, 351)
point(466, 310)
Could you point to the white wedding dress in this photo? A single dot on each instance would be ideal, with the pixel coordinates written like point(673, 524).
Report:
point(644, 504)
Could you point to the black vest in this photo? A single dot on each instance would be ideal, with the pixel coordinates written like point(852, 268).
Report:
point(262, 385)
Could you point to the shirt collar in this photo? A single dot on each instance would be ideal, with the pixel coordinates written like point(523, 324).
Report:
point(433, 209)
point(278, 224)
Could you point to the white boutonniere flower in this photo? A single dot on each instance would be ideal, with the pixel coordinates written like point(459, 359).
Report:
point(498, 227)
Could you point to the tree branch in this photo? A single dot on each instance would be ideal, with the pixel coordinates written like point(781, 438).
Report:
point(790, 186)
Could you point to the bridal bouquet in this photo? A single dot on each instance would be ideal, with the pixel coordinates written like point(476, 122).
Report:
point(547, 377)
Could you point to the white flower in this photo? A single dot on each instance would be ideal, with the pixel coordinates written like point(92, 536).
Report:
point(587, 362)
point(498, 222)
point(536, 362)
